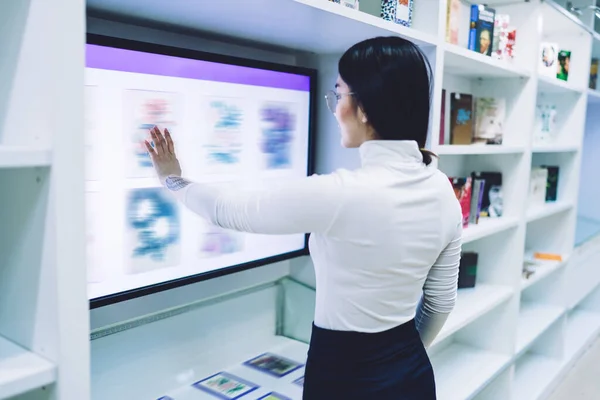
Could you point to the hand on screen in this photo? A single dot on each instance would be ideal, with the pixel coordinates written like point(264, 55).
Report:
point(163, 154)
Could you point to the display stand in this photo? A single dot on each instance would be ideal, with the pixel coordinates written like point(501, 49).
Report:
point(44, 316)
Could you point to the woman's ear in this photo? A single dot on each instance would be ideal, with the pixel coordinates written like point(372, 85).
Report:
point(362, 116)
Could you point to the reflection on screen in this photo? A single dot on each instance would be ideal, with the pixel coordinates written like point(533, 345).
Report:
point(232, 125)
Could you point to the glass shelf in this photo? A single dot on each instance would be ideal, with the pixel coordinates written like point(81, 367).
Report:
point(173, 352)
point(586, 229)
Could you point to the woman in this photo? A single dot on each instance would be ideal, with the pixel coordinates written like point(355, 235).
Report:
point(385, 238)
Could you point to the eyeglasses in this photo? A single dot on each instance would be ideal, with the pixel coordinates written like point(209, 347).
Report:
point(332, 99)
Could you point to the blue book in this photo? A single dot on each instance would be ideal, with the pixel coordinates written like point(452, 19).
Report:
point(481, 29)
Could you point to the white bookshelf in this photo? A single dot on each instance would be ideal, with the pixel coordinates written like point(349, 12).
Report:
point(22, 371)
point(500, 333)
point(20, 157)
point(44, 330)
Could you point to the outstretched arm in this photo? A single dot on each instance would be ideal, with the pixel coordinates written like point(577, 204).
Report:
point(306, 205)
point(439, 291)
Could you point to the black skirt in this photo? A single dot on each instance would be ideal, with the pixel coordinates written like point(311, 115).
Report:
point(389, 365)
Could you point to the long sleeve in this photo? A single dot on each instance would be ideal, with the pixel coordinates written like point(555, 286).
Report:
point(439, 291)
point(300, 206)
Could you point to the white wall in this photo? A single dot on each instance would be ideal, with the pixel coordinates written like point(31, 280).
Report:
point(589, 187)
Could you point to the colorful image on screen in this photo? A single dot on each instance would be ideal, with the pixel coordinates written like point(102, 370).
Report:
point(230, 123)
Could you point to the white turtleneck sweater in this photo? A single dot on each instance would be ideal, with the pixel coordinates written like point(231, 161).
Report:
point(385, 238)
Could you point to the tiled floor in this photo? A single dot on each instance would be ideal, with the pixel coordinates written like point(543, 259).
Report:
point(583, 381)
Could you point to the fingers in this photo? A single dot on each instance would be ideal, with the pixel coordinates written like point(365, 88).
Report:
point(170, 144)
point(149, 148)
point(159, 141)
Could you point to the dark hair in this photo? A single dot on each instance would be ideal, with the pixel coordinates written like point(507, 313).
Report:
point(390, 79)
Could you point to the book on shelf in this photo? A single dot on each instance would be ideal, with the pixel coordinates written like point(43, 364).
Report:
point(489, 120)
point(537, 187)
point(492, 201)
point(548, 59)
point(443, 137)
point(481, 29)
point(564, 60)
point(533, 261)
point(545, 123)
point(397, 11)
point(461, 118)
point(504, 38)
point(593, 73)
point(543, 185)
point(462, 190)
point(467, 269)
point(452, 21)
point(474, 120)
point(552, 182)
point(478, 187)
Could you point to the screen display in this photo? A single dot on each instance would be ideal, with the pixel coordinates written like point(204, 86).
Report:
point(232, 125)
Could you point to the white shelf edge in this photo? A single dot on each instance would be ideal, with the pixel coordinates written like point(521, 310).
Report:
point(18, 157)
point(557, 368)
point(584, 294)
point(22, 371)
point(463, 371)
point(533, 374)
point(472, 304)
point(593, 96)
point(458, 150)
point(559, 85)
point(360, 16)
point(474, 57)
point(534, 320)
point(544, 269)
point(547, 210)
point(554, 148)
point(488, 227)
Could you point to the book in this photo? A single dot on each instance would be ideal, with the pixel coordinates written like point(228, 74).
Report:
point(467, 270)
point(552, 183)
point(492, 202)
point(442, 140)
point(545, 123)
point(462, 190)
point(397, 11)
point(504, 38)
point(353, 4)
point(537, 187)
point(593, 73)
point(564, 59)
point(452, 21)
point(548, 59)
point(478, 186)
point(481, 29)
point(461, 118)
point(489, 120)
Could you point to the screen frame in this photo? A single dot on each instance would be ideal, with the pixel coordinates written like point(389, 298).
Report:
point(148, 47)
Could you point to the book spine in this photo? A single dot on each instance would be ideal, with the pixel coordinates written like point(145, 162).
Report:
point(443, 118)
point(480, 199)
point(473, 27)
point(473, 216)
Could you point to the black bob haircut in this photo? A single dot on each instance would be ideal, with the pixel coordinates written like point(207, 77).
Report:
point(390, 79)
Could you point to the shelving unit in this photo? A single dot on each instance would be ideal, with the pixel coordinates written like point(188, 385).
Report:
point(22, 371)
point(463, 371)
point(506, 327)
point(501, 332)
point(44, 317)
point(22, 157)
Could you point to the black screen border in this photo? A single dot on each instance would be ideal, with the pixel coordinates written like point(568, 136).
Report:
point(147, 47)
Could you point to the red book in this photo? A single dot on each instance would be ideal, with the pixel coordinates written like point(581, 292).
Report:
point(462, 190)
